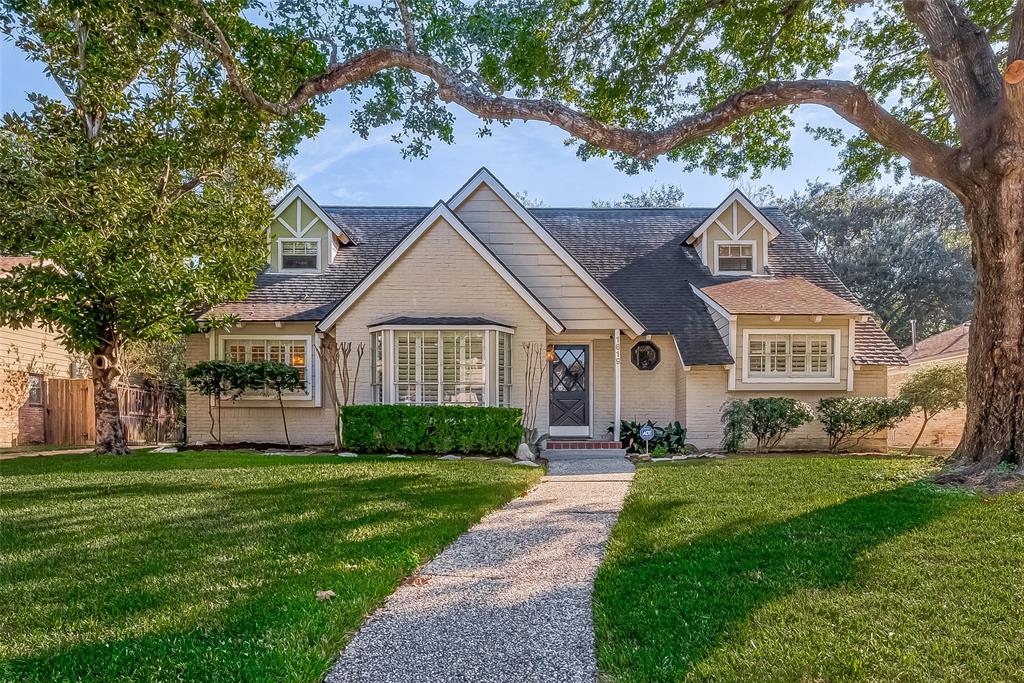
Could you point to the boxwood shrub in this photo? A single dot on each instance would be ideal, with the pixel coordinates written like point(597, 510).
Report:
point(431, 429)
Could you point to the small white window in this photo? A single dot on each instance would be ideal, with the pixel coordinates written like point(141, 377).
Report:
point(300, 255)
point(735, 258)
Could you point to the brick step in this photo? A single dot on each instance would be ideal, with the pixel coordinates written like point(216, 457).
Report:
point(577, 445)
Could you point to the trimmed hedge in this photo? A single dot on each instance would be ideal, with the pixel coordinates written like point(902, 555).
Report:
point(431, 429)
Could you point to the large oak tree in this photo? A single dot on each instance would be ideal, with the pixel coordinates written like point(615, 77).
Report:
point(937, 89)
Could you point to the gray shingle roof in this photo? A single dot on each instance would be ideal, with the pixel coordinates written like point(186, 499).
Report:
point(442, 321)
point(637, 254)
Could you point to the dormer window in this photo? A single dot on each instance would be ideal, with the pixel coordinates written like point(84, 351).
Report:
point(298, 254)
point(734, 257)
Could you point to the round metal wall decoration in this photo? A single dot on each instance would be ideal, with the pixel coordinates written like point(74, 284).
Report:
point(645, 355)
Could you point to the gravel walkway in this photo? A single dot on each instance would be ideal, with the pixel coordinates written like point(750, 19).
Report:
point(510, 600)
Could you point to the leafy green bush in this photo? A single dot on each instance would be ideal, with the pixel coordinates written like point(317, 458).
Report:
point(431, 429)
point(848, 419)
point(671, 438)
point(771, 419)
point(768, 420)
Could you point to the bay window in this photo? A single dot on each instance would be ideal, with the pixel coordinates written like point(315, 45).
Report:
point(804, 356)
point(442, 366)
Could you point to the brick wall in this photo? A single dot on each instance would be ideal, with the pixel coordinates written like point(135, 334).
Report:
point(943, 431)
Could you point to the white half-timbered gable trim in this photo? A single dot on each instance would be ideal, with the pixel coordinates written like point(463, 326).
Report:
point(300, 228)
point(441, 211)
point(485, 177)
point(733, 239)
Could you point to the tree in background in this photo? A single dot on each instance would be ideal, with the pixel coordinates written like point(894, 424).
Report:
point(144, 190)
point(664, 196)
point(711, 86)
point(905, 253)
point(934, 389)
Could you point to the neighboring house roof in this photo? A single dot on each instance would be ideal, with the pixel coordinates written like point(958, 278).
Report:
point(638, 255)
point(779, 296)
point(952, 342)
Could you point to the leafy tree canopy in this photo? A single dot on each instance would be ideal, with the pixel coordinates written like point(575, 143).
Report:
point(656, 196)
point(144, 191)
point(905, 253)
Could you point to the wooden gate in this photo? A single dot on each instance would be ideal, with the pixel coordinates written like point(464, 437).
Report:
point(147, 414)
point(70, 420)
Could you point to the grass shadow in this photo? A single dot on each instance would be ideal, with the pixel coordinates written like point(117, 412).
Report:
point(661, 609)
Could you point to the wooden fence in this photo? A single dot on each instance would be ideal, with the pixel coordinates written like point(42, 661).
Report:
point(146, 413)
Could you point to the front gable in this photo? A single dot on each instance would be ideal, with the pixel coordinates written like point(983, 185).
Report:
point(537, 258)
point(441, 252)
point(734, 232)
point(299, 224)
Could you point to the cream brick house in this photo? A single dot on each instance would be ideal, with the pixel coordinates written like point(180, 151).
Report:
point(641, 314)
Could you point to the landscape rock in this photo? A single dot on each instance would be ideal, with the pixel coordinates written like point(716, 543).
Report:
point(325, 595)
point(397, 455)
point(347, 455)
point(165, 449)
point(524, 452)
point(450, 457)
point(661, 459)
point(504, 460)
point(527, 463)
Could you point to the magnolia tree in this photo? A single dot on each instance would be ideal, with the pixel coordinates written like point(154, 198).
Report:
point(143, 189)
point(937, 89)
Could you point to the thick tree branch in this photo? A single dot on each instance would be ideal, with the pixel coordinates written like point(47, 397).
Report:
point(962, 60)
point(927, 157)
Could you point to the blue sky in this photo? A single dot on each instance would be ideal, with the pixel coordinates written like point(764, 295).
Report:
point(338, 167)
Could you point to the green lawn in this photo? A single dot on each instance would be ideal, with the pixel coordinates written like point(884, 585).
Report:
point(811, 569)
point(204, 566)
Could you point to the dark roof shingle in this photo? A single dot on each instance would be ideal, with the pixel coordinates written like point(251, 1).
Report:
point(949, 343)
point(638, 255)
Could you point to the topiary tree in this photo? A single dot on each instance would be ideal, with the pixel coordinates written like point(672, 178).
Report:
point(771, 419)
point(735, 425)
point(934, 389)
point(848, 419)
point(212, 379)
point(277, 378)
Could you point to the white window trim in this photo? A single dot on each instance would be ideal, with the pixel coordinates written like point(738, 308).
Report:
point(754, 257)
point(280, 254)
point(389, 340)
point(836, 355)
point(312, 366)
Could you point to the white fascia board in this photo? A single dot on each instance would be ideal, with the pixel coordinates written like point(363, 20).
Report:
point(712, 304)
point(298, 193)
point(485, 177)
point(735, 196)
point(442, 211)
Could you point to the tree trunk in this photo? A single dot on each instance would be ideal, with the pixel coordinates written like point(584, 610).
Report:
point(920, 433)
point(994, 432)
point(106, 375)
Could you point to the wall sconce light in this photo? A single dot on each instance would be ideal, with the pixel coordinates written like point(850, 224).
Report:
point(550, 353)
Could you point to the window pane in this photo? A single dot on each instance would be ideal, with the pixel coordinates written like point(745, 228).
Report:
point(299, 255)
point(35, 390)
point(377, 361)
